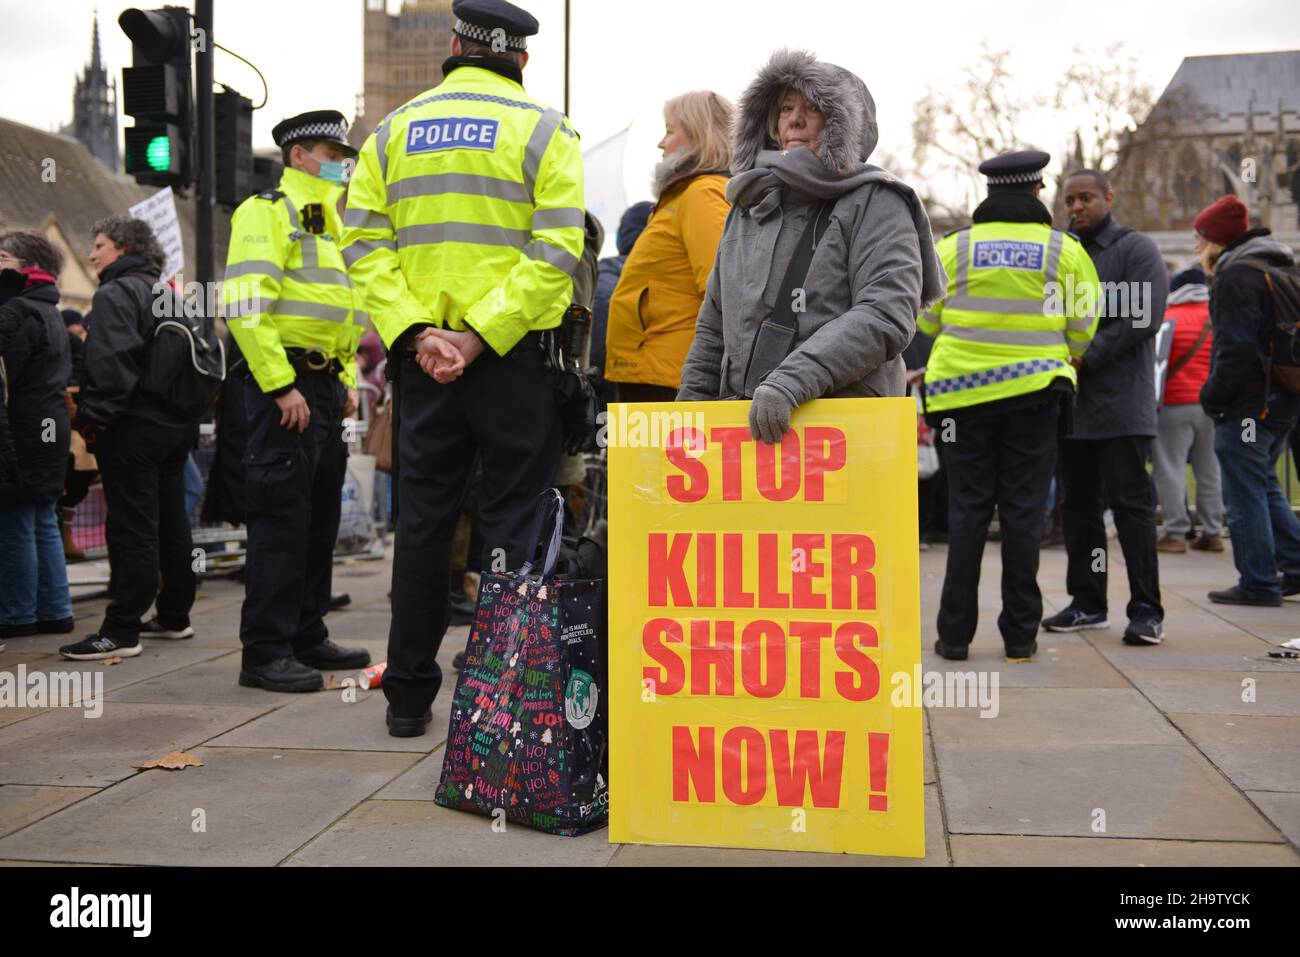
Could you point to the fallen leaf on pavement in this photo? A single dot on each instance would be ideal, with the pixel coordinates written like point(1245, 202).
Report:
point(172, 762)
point(111, 661)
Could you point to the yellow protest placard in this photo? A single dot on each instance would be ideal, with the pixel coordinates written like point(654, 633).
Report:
point(761, 597)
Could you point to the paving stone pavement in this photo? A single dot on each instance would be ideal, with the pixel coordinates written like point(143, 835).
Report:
point(1099, 754)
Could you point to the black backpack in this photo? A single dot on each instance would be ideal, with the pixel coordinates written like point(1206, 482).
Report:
point(185, 360)
point(1283, 357)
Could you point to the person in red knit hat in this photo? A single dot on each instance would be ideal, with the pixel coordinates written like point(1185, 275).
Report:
point(1254, 414)
point(1183, 425)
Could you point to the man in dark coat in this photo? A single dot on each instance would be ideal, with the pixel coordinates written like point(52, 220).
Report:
point(34, 439)
point(1252, 411)
point(141, 443)
point(1103, 459)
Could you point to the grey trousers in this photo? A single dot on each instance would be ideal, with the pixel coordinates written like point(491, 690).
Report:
point(1185, 429)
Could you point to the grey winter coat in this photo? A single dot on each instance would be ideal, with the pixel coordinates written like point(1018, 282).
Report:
point(1117, 385)
point(873, 271)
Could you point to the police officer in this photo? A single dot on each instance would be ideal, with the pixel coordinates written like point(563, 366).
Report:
point(463, 229)
point(1021, 303)
point(289, 306)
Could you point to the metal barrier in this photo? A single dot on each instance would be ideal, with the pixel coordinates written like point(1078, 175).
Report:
point(223, 544)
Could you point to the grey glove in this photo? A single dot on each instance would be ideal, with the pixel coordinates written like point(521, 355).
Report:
point(769, 414)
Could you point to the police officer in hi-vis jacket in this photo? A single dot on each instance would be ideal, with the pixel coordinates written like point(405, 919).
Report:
point(463, 229)
point(1021, 303)
point(289, 305)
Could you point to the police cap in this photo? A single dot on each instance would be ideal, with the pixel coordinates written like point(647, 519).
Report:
point(486, 20)
point(327, 126)
point(1021, 168)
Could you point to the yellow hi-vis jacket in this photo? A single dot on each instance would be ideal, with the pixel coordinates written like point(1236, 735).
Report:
point(286, 285)
point(1022, 300)
point(466, 209)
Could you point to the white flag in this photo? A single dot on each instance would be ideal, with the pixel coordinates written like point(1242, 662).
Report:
point(606, 196)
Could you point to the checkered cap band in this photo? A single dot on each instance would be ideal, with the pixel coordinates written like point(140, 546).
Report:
point(332, 131)
point(1006, 178)
point(484, 35)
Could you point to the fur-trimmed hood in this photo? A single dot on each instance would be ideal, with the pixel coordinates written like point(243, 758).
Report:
point(850, 134)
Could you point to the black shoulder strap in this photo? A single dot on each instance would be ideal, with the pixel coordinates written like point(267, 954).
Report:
point(1186, 357)
point(777, 333)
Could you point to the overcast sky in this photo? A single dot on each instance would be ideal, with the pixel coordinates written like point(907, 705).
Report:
point(628, 56)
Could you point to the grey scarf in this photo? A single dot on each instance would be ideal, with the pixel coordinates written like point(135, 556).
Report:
point(762, 189)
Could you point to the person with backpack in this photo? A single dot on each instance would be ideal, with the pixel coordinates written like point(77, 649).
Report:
point(34, 439)
point(141, 440)
point(1252, 395)
point(290, 308)
point(1182, 425)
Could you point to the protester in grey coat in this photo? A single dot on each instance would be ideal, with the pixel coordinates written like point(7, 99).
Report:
point(803, 133)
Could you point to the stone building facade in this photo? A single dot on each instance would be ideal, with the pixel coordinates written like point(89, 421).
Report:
point(1224, 124)
point(403, 57)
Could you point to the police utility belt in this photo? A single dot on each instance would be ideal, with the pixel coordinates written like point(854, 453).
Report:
point(305, 360)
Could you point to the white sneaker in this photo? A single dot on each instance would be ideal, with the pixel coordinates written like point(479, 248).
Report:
point(153, 628)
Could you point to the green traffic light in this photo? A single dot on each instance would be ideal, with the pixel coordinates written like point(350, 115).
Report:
point(158, 154)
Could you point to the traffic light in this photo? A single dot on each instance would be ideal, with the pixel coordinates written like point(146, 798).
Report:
point(234, 136)
point(156, 94)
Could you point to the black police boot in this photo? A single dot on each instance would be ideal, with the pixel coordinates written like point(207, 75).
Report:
point(339, 599)
point(328, 656)
point(283, 674)
point(407, 727)
point(951, 652)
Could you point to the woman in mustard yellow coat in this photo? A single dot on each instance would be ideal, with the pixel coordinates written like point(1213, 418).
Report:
point(653, 309)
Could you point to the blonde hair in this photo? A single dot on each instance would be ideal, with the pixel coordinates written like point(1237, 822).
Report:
point(705, 118)
point(1209, 255)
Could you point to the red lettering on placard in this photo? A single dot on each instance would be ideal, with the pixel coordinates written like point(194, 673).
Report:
point(825, 450)
point(667, 570)
point(821, 774)
point(766, 469)
point(805, 570)
point(867, 682)
point(717, 656)
point(810, 635)
point(852, 557)
point(769, 562)
point(762, 643)
point(744, 781)
point(706, 576)
point(733, 572)
point(732, 438)
point(672, 678)
point(694, 469)
point(693, 766)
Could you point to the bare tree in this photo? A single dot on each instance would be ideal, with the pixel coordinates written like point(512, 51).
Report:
point(1104, 97)
point(953, 132)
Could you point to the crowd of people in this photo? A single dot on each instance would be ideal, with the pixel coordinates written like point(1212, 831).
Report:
point(776, 265)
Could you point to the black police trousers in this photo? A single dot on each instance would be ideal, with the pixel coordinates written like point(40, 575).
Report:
point(143, 468)
point(1003, 459)
point(293, 484)
point(502, 408)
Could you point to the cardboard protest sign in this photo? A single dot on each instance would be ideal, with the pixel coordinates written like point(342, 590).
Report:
point(761, 597)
